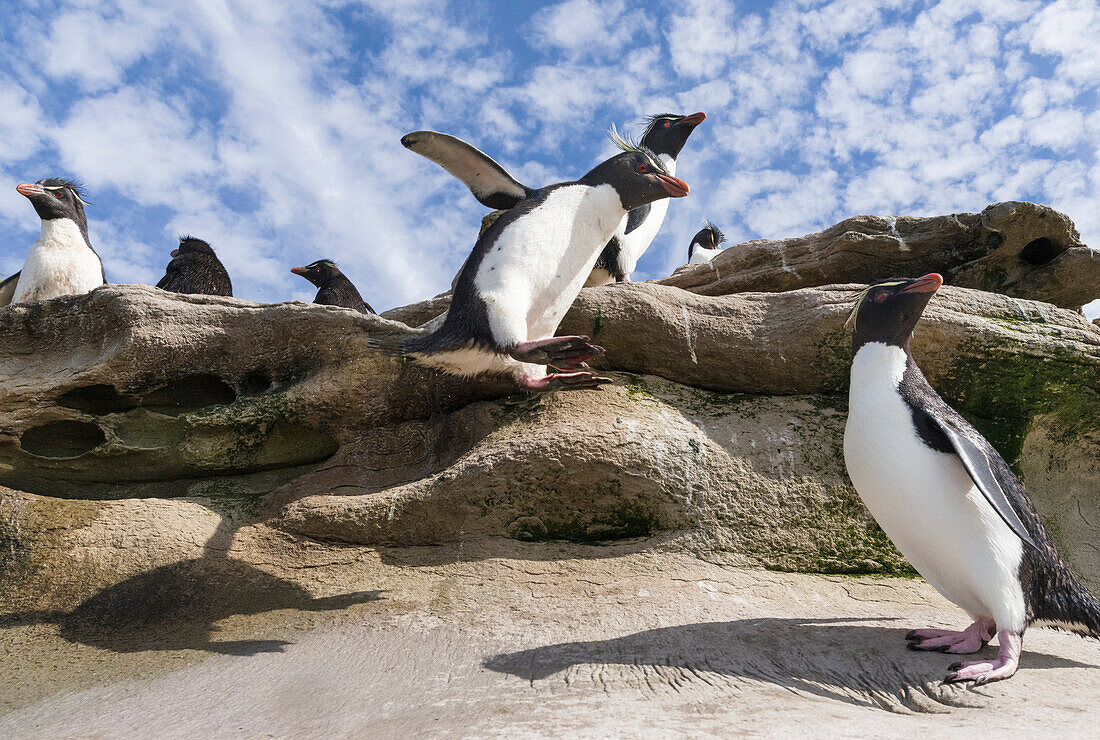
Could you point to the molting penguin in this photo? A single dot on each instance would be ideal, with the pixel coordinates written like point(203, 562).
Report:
point(62, 261)
point(704, 245)
point(946, 498)
point(527, 268)
point(665, 135)
point(334, 287)
point(196, 270)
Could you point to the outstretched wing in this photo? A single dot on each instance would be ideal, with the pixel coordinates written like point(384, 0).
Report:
point(488, 181)
point(7, 289)
point(980, 467)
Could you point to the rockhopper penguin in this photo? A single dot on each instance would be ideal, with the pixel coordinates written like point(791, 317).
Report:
point(334, 287)
point(665, 136)
point(195, 270)
point(946, 498)
point(704, 245)
point(62, 261)
point(527, 268)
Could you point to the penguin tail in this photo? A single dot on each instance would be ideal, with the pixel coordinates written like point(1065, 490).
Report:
point(392, 346)
point(1071, 605)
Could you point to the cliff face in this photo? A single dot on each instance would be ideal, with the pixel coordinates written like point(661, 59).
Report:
point(149, 438)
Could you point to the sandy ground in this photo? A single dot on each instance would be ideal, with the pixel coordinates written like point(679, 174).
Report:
point(533, 644)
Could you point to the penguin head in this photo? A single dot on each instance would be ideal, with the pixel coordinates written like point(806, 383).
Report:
point(888, 310)
point(667, 133)
point(319, 272)
point(636, 174)
point(190, 245)
point(709, 237)
point(55, 198)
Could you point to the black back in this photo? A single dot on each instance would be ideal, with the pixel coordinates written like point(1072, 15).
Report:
point(335, 289)
point(196, 270)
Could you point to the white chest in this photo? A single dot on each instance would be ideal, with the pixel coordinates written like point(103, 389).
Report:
point(923, 499)
point(538, 265)
point(59, 263)
point(700, 256)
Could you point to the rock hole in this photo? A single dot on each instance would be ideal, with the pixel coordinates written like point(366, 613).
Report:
point(255, 383)
point(96, 399)
point(189, 394)
point(68, 438)
point(1040, 251)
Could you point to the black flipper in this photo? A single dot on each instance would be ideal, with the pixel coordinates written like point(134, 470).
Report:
point(7, 289)
point(978, 465)
point(488, 181)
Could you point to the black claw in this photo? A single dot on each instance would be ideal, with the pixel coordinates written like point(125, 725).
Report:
point(951, 678)
point(914, 646)
point(911, 635)
point(955, 666)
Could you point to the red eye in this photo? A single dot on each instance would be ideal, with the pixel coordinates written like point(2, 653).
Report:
point(880, 297)
point(642, 167)
point(57, 194)
point(668, 123)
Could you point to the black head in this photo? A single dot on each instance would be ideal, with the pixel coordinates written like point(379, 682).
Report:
point(55, 198)
point(667, 133)
point(888, 310)
point(192, 245)
point(319, 272)
point(709, 237)
point(636, 174)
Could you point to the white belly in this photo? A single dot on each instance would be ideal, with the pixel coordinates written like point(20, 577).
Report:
point(534, 271)
point(924, 500)
point(703, 256)
point(59, 263)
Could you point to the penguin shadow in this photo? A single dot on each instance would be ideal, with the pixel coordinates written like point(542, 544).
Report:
point(836, 659)
point(176, 606)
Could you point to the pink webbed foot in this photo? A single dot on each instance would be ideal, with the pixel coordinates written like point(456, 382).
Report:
point(565, 382)
point(970, 640)
point(984, 671)
point(564, 353)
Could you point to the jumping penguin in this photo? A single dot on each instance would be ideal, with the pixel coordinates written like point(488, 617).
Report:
point(195, 270)
point(527, 268)
point(334, 288)
point(665, 136)
point(704, 245)
point(62, 261)
point(947, 499)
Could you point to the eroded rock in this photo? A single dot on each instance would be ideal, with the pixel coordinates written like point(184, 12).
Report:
point(1016, 248)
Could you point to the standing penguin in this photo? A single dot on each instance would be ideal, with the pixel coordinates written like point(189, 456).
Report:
point(665, 136)
point(195, 270)
point(529, 265)
point(334, 287)
point(62, 261)
point(946, 498)
point(704, 245)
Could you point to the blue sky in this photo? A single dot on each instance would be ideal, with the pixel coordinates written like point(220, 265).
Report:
point(271, 128)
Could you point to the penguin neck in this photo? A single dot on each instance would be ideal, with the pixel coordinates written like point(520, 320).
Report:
point(602, 206)
point(63, 233)
point(877, 363)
